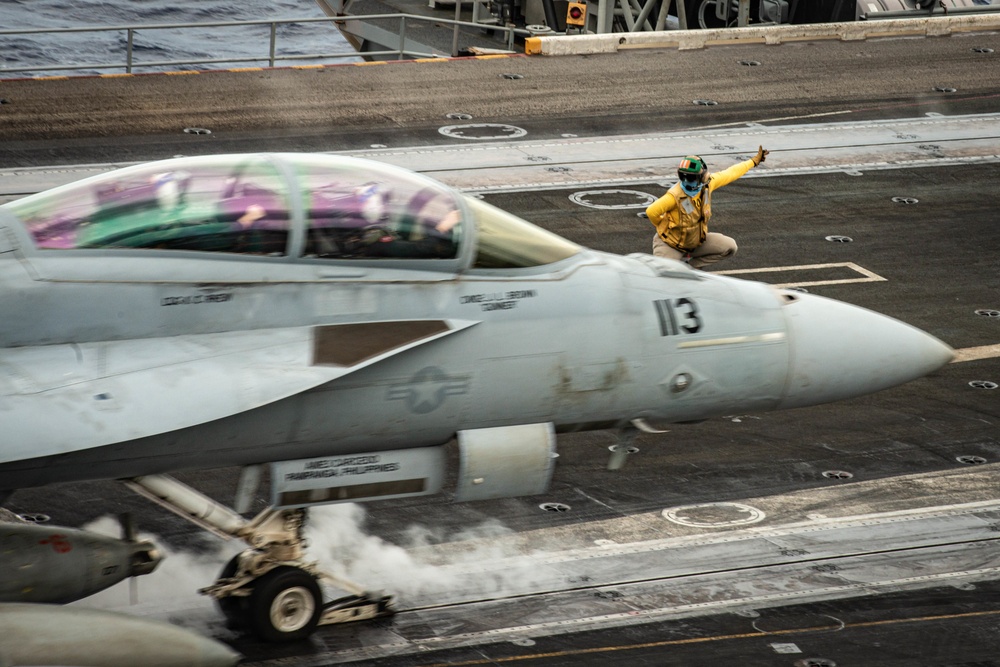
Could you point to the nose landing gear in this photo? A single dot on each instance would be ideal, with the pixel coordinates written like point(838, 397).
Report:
point(285, 605)
point(269, 589)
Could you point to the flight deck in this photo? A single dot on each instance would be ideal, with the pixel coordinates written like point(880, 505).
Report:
point(865, 532)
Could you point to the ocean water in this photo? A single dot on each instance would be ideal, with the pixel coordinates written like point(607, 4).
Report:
point(92, 49)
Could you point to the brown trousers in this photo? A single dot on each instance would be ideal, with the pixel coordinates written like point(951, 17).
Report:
point(715, 247)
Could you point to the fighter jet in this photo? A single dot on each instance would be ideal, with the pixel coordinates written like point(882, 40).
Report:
point(344, 321)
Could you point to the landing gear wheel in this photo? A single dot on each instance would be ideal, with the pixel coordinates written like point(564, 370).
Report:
point(234, 608)
point(285, 605)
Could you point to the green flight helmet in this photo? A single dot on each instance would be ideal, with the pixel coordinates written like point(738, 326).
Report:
point(692, 172)
point(692, 165)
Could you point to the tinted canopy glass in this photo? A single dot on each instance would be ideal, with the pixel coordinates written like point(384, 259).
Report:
point(329, 207)
point(507, 242)
point(237, 204)
point(357, 209)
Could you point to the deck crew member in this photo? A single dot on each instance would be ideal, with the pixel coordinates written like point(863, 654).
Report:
point(681, 215)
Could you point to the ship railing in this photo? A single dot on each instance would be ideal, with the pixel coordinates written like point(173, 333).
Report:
point(273, 58)
point(936, 10)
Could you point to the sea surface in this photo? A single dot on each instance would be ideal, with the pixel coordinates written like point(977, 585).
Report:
point(97, 51)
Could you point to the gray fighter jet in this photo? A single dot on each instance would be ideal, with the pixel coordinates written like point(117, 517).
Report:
point(343, 321)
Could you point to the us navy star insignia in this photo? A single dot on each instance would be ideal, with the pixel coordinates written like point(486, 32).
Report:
point(427, 390)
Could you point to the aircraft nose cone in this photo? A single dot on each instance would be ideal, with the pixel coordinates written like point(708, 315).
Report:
point(839, 351)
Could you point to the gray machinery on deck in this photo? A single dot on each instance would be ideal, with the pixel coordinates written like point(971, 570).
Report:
point(485, 26)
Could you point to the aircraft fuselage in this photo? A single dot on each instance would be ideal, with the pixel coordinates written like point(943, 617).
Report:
point(123, 361)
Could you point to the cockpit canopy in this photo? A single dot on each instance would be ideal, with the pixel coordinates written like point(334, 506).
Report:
point(307, 206)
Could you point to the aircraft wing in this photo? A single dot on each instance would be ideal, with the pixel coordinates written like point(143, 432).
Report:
point(60, 398)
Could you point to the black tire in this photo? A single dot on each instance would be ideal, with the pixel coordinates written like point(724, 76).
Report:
point(233, 608)
point(285, 605)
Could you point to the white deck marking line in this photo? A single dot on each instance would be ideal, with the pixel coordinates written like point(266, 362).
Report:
point(976, 353)
point(663, 612)
point(961, 355)
point(756, 532)
point(869, 276)
point(636, 181)
point(630, 617)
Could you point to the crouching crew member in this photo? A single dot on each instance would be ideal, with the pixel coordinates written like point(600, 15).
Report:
point(681, 216)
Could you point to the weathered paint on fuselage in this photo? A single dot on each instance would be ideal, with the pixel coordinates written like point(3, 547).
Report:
point(145, 334)
point(579, 344)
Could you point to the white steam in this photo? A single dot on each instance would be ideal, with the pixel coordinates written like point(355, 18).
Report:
point(434, 565)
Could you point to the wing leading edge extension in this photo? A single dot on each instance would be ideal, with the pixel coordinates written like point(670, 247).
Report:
point(60, 398)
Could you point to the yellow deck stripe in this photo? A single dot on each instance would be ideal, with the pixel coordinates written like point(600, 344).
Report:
point(976, 353)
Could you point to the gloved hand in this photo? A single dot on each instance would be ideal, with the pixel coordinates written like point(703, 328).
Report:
point(759, 157)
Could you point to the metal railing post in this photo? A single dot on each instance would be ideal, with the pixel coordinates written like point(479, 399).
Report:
point(402, 36)
point(274, 37)
point(128, 52)
point(454, 35)
point(743, 17)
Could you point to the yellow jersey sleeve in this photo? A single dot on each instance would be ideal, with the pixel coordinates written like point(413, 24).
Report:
point(727, 176)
